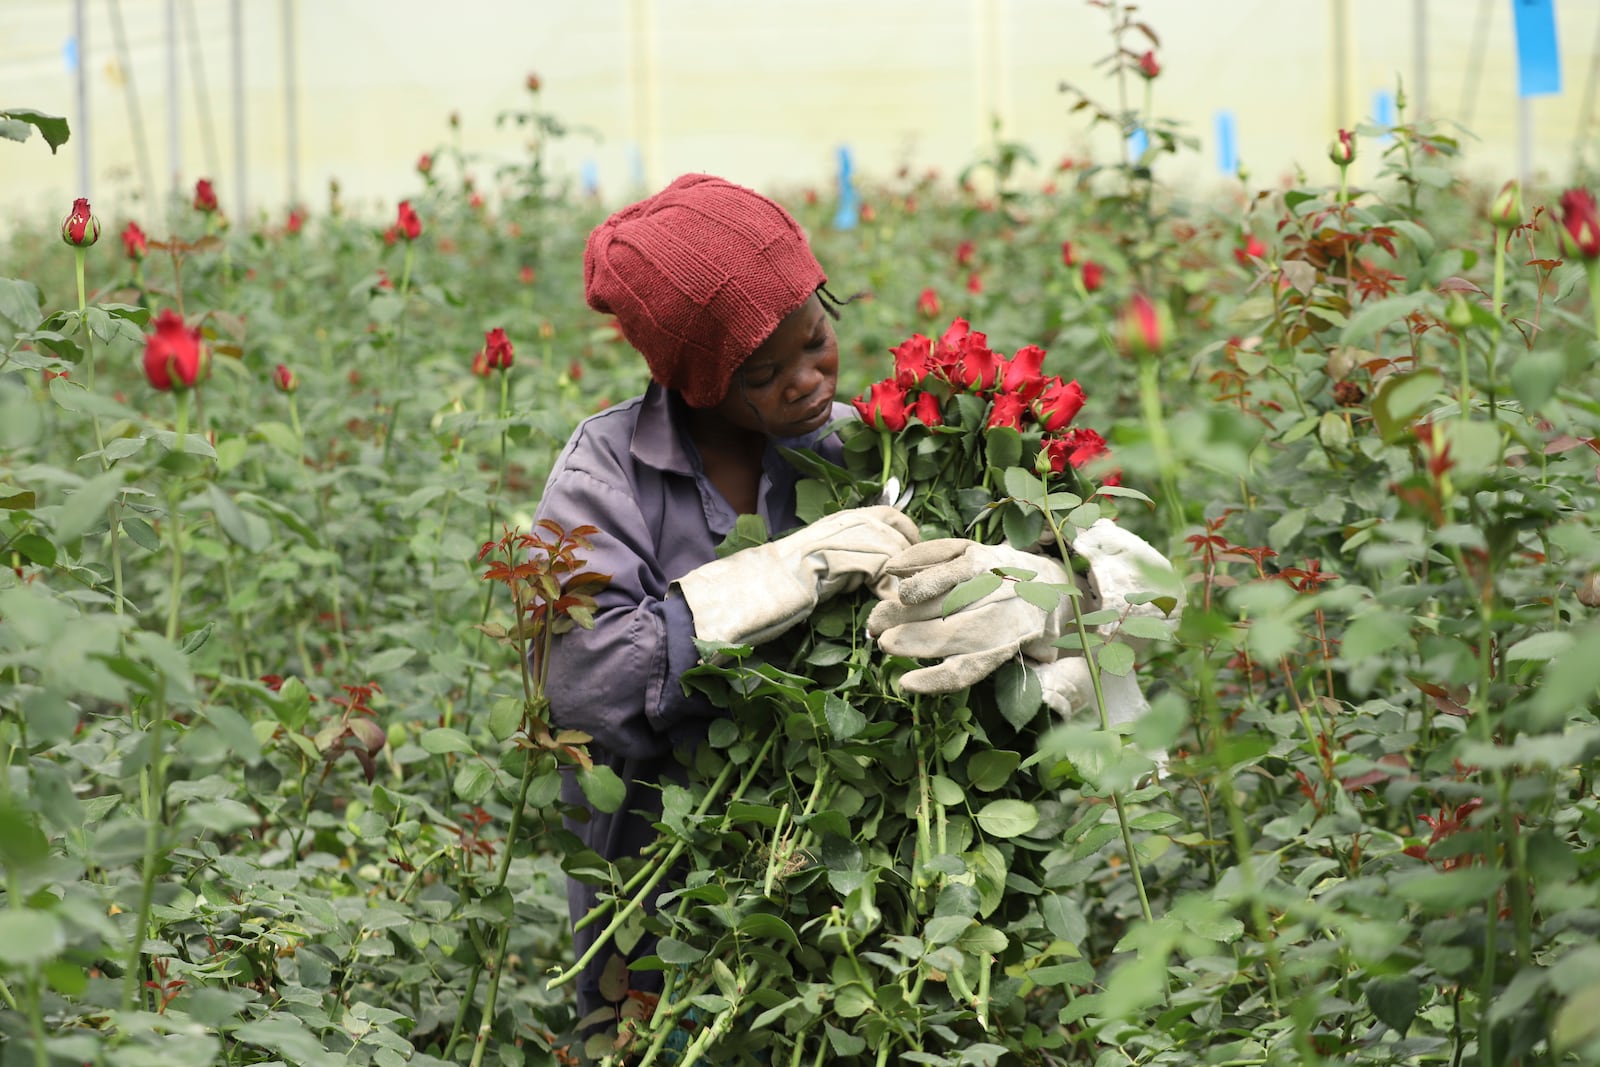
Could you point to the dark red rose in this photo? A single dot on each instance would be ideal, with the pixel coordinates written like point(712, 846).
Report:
point(1008, 410)
point(964, 253)
point(1059, 404)
point(1093, 276)
point(1069, 255)
point(978, 367)
point(1149, 67)
point(498, 348)
point(134, 242)
point(1141, 327)
point(1073, 449)
point(1580, 224)
point(1023, 373)
point(173, 355)
point(81, 229)
point(926, 409)
point(884, 406)
point(947, 351)
point(205, 197)
point(409, 225)
point(912, 359)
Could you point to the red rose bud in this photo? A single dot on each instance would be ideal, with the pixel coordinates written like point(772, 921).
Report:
point(297, 221)
point(533, 83)
point(1069, 255)
point(1148, 66)
point(480, 364)
point(1023, 373)
point(526, 275)
point(975, 283)
point(868, 213)
point(1073, 449)
point(409, 225)
point(1142, 327)
point(134, 242)
point(1343, 149)
point(174, 358)
point(81, 229)
point(284, 379)
point(1505, 211)
point(1059, 404)
point(547, 330)
point(1251, 248)
point(575, 371)
point(964, 253)
point(475, 202)
point(926, 409)
point(913, 359)
point(928, 303)
point(884, 406)
point(498, 348)
point(1093, 276)
point(391, 235)
point(1008, 410)
point(205, 197)
point(978, 366)
point(424, 164)
point(1580, 224)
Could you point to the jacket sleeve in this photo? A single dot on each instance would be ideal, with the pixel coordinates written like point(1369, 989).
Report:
point(619, 682)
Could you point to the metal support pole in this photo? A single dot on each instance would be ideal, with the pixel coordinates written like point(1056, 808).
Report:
point(1480, 42)
point(646, 93)
point(174, 104)
point(80, 47)
point(1419, 59)
point(291, 105)
point(1524, 140)
point(240, 197)
point(202, 95)
point(141, 145)
point(1341, 64)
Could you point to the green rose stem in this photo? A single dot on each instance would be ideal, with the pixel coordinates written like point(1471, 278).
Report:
point(152, 785)
point(494, 515)
point(1160, 441)
point(114, 526)
point(1593, 268)
point(664, 865)
point(33, 995)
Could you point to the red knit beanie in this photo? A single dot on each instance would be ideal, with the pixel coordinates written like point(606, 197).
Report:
point(698, 276)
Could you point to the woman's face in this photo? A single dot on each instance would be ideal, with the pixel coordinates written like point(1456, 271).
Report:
point(786, 387)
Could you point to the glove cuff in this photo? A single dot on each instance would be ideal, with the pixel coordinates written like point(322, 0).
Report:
point(746, 598)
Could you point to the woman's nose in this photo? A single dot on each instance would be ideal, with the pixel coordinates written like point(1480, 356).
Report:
point(807, 379)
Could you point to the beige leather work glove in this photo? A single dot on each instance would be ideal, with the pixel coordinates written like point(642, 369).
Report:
point(1069, 692)
point(757, 593)
point(974, 641)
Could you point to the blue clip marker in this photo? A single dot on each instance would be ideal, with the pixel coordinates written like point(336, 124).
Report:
point(1538, 57)
point(1138, 143)
point(1227, 143)
point(591, 178)
point(1383, 111)
point(69, 54)
point(849, 212)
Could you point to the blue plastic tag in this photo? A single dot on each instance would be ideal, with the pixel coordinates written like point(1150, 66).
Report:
point(1538, 57)
point(1227, 143)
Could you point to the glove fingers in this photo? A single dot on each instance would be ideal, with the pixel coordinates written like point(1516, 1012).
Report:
point(935, 582)
point(955, 673)
point(1001, 624)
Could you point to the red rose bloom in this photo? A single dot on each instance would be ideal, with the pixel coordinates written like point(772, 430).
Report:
point(498, 348)
point(1140, 327)
point(424, 164)
point(928, 303)
point(81, 229)
point(297, 221)
point(978, 367)
point(1074, 448)
point(1059, 404)
point(884, 406)
point(205, 197)
point(410, 226)
point(964, 253)
point(1580, 224)
point(1093, 275)
point(926, 409)
point(1149, 67)
point(1250, 248)
point(1023, 373)
point(173, 356)
point(134, 242)
point(912, 359)
point(284, 379)
point(1008, 410)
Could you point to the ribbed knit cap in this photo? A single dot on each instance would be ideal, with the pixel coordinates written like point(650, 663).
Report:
point(698, 276)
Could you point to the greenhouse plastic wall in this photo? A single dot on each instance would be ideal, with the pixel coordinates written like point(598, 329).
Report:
point(273, 98)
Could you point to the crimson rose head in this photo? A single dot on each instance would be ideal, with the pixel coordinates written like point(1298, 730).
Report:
point(174, 357)
point(81, 229)
point(205, 197)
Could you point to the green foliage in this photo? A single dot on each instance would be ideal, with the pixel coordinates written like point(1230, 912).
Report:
point(289, 800)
